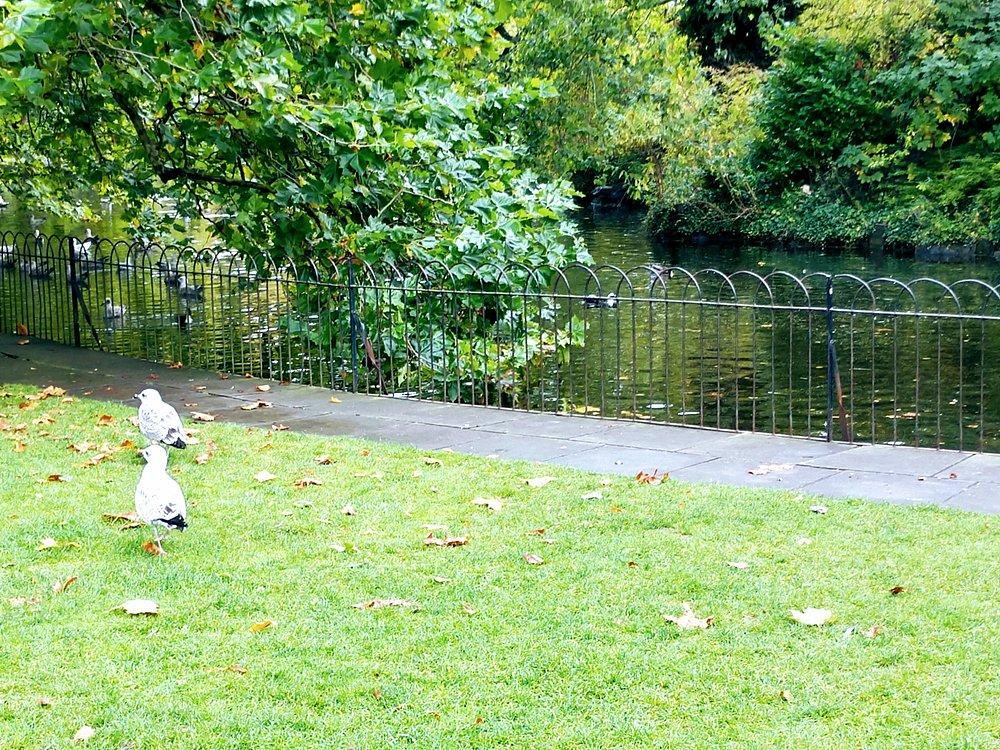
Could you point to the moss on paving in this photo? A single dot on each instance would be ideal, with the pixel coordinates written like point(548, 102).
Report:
point(573, 653)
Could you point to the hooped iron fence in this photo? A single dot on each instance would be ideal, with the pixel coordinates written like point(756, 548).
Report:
point(819, 355)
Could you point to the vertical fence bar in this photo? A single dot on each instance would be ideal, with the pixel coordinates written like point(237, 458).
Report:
point(353, 313)
point(830, 359)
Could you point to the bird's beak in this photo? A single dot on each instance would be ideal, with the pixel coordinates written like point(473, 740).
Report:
point(135, 395)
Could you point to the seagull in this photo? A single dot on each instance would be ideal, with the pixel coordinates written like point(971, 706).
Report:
point(112, 312)
point(195, 292)
point(610, 302)
point(158, 422)
point(159, 500)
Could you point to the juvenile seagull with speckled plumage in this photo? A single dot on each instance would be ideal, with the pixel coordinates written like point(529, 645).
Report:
point(159, 500)
point(158, 421)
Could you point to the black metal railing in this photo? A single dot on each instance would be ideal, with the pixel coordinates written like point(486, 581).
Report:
point(818, 355)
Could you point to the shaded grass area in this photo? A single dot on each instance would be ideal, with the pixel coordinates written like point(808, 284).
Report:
point(572, 653)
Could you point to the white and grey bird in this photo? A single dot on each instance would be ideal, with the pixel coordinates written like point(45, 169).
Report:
point(112, 311)
point(158, 421)
point(159, 500)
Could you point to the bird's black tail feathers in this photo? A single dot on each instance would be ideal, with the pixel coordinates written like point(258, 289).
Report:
point(178, 443)
point(175, 522)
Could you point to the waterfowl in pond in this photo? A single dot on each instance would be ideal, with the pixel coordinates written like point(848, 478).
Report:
point(194, 292)
point(658, 272)
point(610, 302)
point(112, 311)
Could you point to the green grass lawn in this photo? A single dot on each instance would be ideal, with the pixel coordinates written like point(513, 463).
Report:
point(572, 653)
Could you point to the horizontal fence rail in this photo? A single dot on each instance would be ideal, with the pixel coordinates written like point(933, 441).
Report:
point(828, 356)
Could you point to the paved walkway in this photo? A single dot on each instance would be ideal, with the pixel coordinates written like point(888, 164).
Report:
point(888, 473)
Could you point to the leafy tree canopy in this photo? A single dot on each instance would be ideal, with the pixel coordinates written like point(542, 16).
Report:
point(374, 128)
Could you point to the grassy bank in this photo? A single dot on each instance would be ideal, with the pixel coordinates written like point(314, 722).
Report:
point(574, 652)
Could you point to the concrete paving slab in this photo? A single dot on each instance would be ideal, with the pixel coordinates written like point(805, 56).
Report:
point(721, 471)
point(456, 415)
point(890, 459)
point(983, 497)
point(616, 459)
point(897, 489)
point(544, 425)
point(649, 436)
point(499, 445)
point(752, 449)
point(981, 467)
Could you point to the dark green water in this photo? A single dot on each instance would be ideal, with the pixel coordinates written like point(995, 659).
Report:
point(743, 351)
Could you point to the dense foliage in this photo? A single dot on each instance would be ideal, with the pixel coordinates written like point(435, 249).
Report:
point(813, 121)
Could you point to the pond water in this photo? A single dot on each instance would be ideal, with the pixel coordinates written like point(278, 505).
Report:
point(700, 350)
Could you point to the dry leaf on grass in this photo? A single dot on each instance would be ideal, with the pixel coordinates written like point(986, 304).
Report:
point(257, 405)
point(771, 469)
point(45, 701)
point(199, 416)
point(645, 478)
point(738, 565)
point(175, 366)
point(897, 590)
point(264, 476)
point(488, 502)
point(786, 695)
point(20, 447)
point(323, 460)
point(440, 579)
point(819, 509)
point(21, 601)
point(537, 482)
point(60, 586)
point(279, 427)
point(105, 419)
point(308, 482)
point(380, 603)
point(127, 520)
point(202, 458)
point(688, 620)
point(80, 447)
point(140, 607)
point(83, 734)
point(259, 627)
point(150, 548)
point(348, 510)
point(532, 559)
point(431, 461)
point(468, 608)
point(812, 616)
point(873, 631)
point(595, 495)
point(334, 400)
point(263, 388)
point(58, 478)
point(449, 541)
point(44, 419)
point(47, 543)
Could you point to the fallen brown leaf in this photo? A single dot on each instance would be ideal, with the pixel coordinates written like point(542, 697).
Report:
point(80, 447)
point(738, 565)
point(688, 620)
point(819, 509)
point(468, 608)
point(786, 695)
point(645, 478)
point(308, 482)
point(44, 419)
point(140, 607)
point(323, 460)
point(257, 405)
point(21, 601)
point(538, 532)
point(595, 495)
point(873, 631)
point(83, 734)
point(431, 461)
point(537, 482)
point(260, 627)
point(492, 503)
point(105, 419)
point(45, 701)
point(57, 478)
point(334, 400)
point(21, 329)
point(95, 459)
point(897, 590)
point(812, 616)
point(348, 510)
point(20, 447)
point(264, 476)
point(47, 543)
point(532, 559)
point(263, 388)
point(150, 548)
point(771, 469)
point(449, 541)
point(380, 603)
point(60, 586)
point(127, 520)
point(23, 342)
point(236, 668)
point(199, 416)
point(175, 366)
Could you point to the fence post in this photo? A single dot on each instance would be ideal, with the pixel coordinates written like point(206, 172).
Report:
point(829, 358)
point(74, 291)
point(352, 306)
